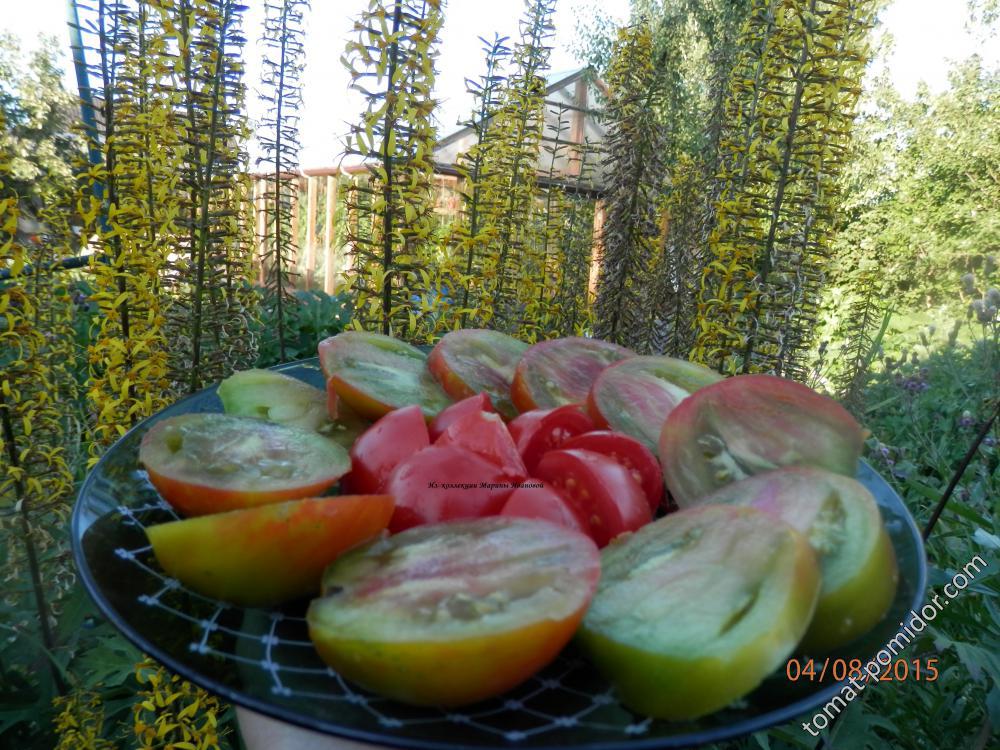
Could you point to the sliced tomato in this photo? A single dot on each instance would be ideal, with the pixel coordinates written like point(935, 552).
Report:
point(630, 453)
point(393, 438)
point(636, 395)
point(471, 405)
point(332, 400)
point(541, 430)
point(601, 490)
point(209, 463)
point(274, 396)
point(486, 434)
point(472, 360)
point(259, 557)
point(445, 482)
point(561, 371)
point(696, 609)
point(454, 613)
point(375, 374)
point(546, 503)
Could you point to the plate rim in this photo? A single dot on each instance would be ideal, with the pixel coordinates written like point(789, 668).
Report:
point(782, 715)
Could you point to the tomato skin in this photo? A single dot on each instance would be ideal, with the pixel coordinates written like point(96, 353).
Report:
point(419, 502)
point(485, 434)
point(260, 557)
point(384, 619)
point(630, 453)
point(561, 371)
point(546, 503)
point(540, 430)
point(383, 446)
point(748, 424)
point(602, 491)
point(480, 402)
point(193, 486)
point(472, 360)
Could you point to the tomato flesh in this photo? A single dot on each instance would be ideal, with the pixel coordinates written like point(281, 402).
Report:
point(259, 557)
point(471, 405)
point(396, 436)
point(561, 371)
point(749, 424)
point(630, 453)
point(454, 613)
point(375, 374)
point(485, 434)
point(540, 430)
point(636, 395)
point(472, 360)
point(445, 482)
point(273, 396)
point(546, 503)
point(602, 491)
point(843, 524)
point(696, 609)
point(208, 463)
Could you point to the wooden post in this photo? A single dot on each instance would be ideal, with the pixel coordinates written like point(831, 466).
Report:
point(260, 228)
point(293, 244)
point(597, 247)
point(311, 185)
point(329, 260)
point(577, 128)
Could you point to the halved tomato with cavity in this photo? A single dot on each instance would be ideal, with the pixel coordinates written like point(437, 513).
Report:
point(636, 395)
point(375, 374)
point(471, 405)
point(748, 424)
point(546, 503)
point(696, 609)
point(540, 430)
point(454, 613)
point(602, 491)
point(472, 360)
point(259, 557)
point(631, 454)
point(445, 482)
point(209, 463)
point(486, 434)
point(843, 524)
point(561, 371)
point(383, 446)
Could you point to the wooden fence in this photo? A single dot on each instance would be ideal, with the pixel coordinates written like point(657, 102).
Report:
point(319, 257)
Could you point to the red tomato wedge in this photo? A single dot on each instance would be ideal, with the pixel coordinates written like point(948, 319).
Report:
point(396, 436)
point(545, 503)
point(445, 482)
point(471, 405)
point(600, 489)
point(374, 374)
point(636, 395)
point(454, 613)
point(486, 434)
point(263, 556)
point(630, 453)
point(209, 463)
point(472, 360)
point(561, 371)
point(541, 430)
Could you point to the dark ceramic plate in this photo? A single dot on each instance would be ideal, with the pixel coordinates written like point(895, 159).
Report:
point(263, 660)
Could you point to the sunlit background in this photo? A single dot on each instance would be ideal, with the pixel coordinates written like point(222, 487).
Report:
point(926, 35)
